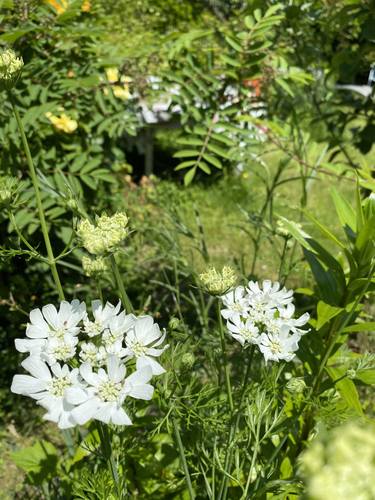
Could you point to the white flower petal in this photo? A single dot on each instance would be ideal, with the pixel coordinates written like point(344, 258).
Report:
point(27, 385)
point(37, 368)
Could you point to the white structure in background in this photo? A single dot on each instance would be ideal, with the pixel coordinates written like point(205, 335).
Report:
point(364, 90)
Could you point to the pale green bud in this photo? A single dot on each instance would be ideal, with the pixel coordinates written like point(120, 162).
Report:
point(296, 385)
point(94, 267)
point(8, 190)
point(341, 464)
point(187, 360)
point(217, 283)
point(104, 237)
point(10, 69)
point(351, 373)
point(174, 323)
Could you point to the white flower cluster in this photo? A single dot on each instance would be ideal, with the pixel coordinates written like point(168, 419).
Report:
point(264, 316)
point(10, 68)
point(77, 366)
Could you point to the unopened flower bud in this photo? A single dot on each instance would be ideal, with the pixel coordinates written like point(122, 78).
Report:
point(296, 385)
point(105, 236)
point(187, 360)
point(8, 190)
point(217, 283)
point(351, 373)
point(94, 267)
point(10, 69)
point(174, 323)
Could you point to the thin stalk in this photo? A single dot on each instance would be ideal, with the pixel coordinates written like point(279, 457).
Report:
point(105, 442)
point(253, 461)
point(183, 459)
point(234, 427)
point(224, 358)
point(42, 219)
point(120, 285)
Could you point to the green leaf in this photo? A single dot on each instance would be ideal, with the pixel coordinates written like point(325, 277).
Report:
point(190, 141)
point(344, 211)
point(324, 230)
point(213, 160)
point(230, 61)
point(203, 166)
point(185, 153)
point(325, 313)
point(185, 164)
point(39, 461)
point(217, 150)
point(346, 388)
point(284, 86)
point(233, 43)
point(360, 327)
point(189, 176)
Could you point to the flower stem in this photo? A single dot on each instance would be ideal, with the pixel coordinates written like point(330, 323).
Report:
point(234, 426)
point(224, 358)
point(120, 285)
point(106, 446)
point(42, 219)
point(183, 459)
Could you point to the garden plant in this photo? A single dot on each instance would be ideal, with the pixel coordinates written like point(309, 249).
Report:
point(187, 249)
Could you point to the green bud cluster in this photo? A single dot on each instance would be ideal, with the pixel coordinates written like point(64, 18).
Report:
point(105, 236)
point(94, 267)
point(9, 187)
point(341, 464)
point(296, 385)
point(218, 283)
point(10, 69)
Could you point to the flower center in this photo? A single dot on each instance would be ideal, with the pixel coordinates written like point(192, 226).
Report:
point(275, 347)
point(109, 391)
point(63, 351)
point(59, 333)
point(58, 385)
point(138, 349)
point(93, 328)
point(237, 307)
point(247, 334)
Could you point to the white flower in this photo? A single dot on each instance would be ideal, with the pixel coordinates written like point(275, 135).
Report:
point(92, 354)
point(48, 389)
point(236, 304)
point(102, 317)
point(50, 322)
point(106, 391)
point(117, 327)
point(141, 341)
point(244, 331)
point(270, 296)
point(281, 346)
point(286, 316)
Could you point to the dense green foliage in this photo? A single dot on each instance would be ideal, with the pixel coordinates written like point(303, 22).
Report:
point(264, 161)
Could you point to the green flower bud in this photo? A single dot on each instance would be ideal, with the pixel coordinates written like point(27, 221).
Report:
point(10, 69)
point(94, 267)
point(296, 385)
point(104, 237)
point(341, 464)
point(351, 373)
point(187, 360)
point(217, 283)
point(174, 323)
point(9, 187)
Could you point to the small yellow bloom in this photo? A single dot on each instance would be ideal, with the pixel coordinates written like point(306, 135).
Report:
point(112, 75)
point(59, 5)
point(62, 122)
point(86, 6)
point(122, 92)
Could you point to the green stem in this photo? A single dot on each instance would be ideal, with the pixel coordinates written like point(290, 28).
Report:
point(183, 459)
point(106, 446)
point(120, 285)
point(224, 358)
point(42, 219)
point(234, 427)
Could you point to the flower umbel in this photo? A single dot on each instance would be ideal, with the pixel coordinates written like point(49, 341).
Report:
point(73, 397)
point(10, 69)
point(218, 283)
point(106, 235)
point(264, 316)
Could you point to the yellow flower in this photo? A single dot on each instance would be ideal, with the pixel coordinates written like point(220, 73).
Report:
point(122, 92)
point(112, 75)
point(86, 6)
point(62, 122)
point(59, 5)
